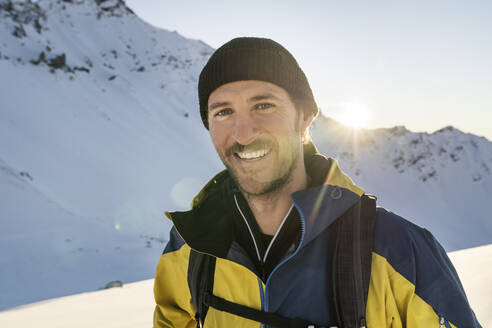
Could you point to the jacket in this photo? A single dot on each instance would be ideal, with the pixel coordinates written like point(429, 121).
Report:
point(412, 283)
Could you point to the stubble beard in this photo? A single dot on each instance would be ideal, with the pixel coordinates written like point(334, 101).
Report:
point(270, 188)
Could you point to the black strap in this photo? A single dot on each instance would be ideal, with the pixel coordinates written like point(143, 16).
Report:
point(352, 262)
point(201, 269)
point(268, 318)
point(368, 224)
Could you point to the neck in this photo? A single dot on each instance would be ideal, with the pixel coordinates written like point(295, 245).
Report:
point(270, 209)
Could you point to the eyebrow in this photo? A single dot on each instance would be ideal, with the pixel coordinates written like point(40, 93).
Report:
point(252, 99)
point(218, 104)
point(263, 97)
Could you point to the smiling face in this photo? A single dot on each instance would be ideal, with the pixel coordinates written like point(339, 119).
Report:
point(257, 131)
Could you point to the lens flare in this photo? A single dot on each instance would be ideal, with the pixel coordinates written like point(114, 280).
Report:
point(354, 115)
point(183, 191)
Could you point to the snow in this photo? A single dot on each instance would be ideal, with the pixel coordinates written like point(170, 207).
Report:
point(100, 133)
point(132, 305)
point(474, 267)
point(129, 306)
point(88, 164)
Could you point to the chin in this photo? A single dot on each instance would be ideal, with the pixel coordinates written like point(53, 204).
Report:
point(255, 188)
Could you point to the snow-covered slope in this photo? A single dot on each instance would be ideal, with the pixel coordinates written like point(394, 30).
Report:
point(133, 304)
point(474, 267)
point(441, 181)
point(100, 134)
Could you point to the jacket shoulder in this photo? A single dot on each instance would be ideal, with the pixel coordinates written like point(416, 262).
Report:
point(414, 253)
point(174, 307)
point(175, 242)
point(398, 239)
point(410, 249)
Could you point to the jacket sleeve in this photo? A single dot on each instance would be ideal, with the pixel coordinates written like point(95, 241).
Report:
point(413, 282)
point(443, 290)
point(174, 307)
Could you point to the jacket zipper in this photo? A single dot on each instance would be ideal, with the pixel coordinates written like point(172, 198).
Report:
point(263, 293)
point(303, 230)
point(262, 298)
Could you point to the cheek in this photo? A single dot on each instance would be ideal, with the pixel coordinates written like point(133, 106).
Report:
point(219, 138)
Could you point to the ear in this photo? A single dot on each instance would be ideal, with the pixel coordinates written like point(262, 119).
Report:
point(306, 119)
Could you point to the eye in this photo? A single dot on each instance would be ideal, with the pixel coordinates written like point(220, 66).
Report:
point(263, 106)
point(223, 112)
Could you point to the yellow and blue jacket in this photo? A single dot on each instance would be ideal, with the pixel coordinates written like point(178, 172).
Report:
point(412, 284)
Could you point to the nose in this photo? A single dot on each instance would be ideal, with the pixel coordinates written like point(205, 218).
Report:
point(245, 129)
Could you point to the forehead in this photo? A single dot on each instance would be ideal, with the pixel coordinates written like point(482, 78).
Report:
point(243, 90)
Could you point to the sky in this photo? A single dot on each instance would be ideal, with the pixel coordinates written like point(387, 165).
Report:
point(422, 64)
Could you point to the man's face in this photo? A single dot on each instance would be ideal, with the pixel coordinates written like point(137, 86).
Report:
point(256, 131)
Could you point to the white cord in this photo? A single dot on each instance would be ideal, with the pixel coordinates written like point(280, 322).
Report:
point(276, 233)
point(251, 232)
point(249, 228)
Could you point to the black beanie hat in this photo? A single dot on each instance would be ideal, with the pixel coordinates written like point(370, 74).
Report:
point(254, 59)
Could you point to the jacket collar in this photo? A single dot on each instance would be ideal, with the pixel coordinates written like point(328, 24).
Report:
point(208, 226)
point(333, 194)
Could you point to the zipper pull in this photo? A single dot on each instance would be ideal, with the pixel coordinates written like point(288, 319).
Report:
point(442, 322)
point(362, 322)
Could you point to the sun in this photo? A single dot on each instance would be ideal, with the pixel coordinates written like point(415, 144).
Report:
point(354, 115)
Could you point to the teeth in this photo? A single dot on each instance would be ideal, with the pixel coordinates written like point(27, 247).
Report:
point(253, 154)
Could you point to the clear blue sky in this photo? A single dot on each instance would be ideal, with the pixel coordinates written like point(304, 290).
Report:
point(423, 64)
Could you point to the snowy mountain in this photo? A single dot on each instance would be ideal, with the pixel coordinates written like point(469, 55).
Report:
point(100, 134)
point(441, 181)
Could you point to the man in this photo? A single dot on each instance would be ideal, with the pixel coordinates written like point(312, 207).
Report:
point(270, 222)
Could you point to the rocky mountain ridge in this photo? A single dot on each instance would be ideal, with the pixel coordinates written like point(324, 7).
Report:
point(402, 150)
point(45, 28)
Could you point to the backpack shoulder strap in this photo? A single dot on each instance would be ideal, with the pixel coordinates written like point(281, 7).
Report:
point(201, 268)
point(352, 260)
